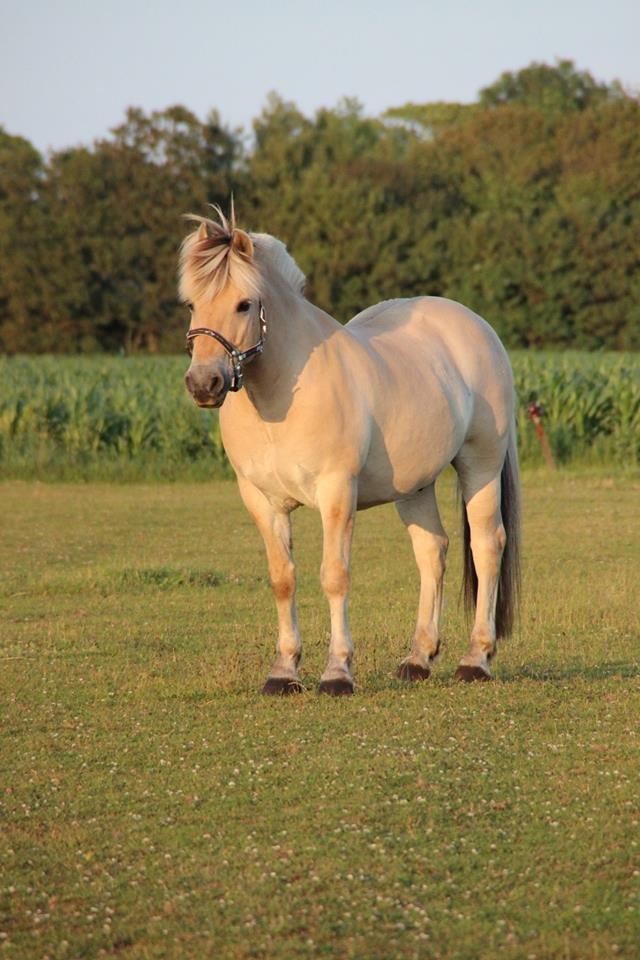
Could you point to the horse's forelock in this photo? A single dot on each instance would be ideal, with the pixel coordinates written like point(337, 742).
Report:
point(211, 256)
point(218, 251)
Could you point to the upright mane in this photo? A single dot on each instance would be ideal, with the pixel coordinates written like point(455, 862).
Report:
point(219, 251)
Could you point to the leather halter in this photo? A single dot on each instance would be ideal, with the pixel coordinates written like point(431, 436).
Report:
point(237, 357)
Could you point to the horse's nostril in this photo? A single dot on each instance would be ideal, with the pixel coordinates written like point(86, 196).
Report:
point(204, 385)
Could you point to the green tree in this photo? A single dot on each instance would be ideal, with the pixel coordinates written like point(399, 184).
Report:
point(428, 120)
point(118, 208)
point(550, 88)
point(523, 205)
point(23, 243)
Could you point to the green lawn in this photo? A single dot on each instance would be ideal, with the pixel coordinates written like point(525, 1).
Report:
point(154, 805)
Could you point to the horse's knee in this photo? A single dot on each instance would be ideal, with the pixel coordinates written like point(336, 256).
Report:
point(283, 582)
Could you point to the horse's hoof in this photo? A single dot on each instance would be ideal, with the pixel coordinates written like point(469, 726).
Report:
point(281, 687)
point(336, 688)
point(412, 671)
point(471, 674)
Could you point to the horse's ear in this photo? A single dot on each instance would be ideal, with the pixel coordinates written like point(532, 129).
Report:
point(241, 242)
point(202, 233)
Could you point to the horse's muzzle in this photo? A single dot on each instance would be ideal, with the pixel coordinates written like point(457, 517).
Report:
point(208, 388)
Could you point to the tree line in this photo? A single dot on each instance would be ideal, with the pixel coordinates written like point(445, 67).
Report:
point(525, 205)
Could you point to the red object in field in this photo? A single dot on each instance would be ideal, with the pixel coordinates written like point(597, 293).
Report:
point(536, 412)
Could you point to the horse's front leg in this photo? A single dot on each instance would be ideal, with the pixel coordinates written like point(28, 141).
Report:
point(275, 527)
point(337, 500)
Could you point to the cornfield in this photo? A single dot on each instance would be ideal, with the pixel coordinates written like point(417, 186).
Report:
point(590, 404)
point(103, 417)
point(127, 418)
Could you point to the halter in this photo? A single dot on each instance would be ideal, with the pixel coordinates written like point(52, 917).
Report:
point(237, 357)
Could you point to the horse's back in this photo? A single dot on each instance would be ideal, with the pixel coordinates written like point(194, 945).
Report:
point(427, 332)
point(429, 320)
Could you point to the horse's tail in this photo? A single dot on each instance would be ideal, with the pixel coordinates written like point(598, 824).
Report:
point(509, 582)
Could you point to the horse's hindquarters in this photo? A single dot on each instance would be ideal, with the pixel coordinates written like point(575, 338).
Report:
point(439, 380)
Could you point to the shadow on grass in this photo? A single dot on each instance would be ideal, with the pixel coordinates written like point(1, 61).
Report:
point(384, 685)
point(166, 578)
point(541, 673)
point(570, 671)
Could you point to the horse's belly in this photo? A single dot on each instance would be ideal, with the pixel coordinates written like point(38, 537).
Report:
point(393, 474)
point(374, 489)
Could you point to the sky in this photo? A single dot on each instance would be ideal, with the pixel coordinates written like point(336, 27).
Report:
point(70, 68)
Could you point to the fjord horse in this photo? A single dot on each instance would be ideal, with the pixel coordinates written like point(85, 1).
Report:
point(341, 418)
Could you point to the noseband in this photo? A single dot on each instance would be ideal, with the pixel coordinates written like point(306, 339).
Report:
point(237, 357)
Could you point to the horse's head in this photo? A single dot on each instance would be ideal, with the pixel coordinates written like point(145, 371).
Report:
point(218, 281)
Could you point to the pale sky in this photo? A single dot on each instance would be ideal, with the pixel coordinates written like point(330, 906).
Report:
point(69, 68)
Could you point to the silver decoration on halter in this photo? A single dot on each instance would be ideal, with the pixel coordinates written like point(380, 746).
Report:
point(237, 357)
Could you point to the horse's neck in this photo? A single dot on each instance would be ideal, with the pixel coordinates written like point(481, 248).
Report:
point(295, 328)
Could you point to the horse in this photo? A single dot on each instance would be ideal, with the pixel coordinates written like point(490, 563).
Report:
point(341, 418)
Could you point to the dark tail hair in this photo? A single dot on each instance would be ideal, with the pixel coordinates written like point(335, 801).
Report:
point(509, 582)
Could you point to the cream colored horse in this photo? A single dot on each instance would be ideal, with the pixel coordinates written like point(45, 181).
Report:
point(341, 418)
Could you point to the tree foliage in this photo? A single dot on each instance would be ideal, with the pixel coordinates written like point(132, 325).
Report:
point(524, 205)
point(549, 88)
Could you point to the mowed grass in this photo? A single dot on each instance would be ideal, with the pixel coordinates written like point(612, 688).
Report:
point(154, 805)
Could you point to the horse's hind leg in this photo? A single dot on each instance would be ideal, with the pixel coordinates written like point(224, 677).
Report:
point(488, 540)
point(420, 514)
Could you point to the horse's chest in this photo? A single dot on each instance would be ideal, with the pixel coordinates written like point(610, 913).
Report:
point(282, 478)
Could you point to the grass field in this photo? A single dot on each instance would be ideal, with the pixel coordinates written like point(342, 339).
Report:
point(155, 806)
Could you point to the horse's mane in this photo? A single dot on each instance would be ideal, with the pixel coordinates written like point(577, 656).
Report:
point(218, 251)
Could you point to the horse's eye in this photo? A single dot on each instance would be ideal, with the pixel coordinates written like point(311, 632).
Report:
point(189, 306)
point(244, 306)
